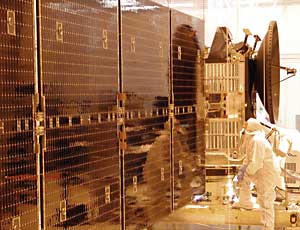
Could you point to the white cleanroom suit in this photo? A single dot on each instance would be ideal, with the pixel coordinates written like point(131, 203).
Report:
point(260, 168)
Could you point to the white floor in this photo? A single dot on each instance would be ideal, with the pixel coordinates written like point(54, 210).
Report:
point(214, 217)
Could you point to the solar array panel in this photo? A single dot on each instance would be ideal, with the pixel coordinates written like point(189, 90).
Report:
point(80, 84)
point(18, 181)
point(146, 85)
point(188, 139)
point(100, 121)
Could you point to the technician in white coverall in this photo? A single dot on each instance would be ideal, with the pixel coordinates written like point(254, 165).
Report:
point(260, 168)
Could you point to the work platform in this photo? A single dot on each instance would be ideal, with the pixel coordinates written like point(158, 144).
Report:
point(200, 217)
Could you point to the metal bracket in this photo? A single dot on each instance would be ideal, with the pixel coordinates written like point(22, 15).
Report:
point(121, 114)
point(162, 174)
point(26, 125)
point(123, 139)
point(171, 110)
point(122, 136)
point(11, 22)
point(59, 32)
point(123, 146)
point(70, 121)
point(39, 124)
point(63, 211)
point(179, 56)
point(122, 97)
point(134, 181)
point(132, 48)
point(107, 195)
point(85, 119)
point(104, 39)
point(19, 127)
point(50, 122)
point(180, 167)
point(16, 223)
point(57, 123)
point(218, 105)
point(39, 116)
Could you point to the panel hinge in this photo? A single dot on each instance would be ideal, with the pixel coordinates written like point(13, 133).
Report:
point(171, 110)
point(123, 140)
point(123, 146)
point(39, 123)
point(121, 115)
point(122, 97)
point(39, 114)
point(39, 103)
point(122, 135)
point(63, 211)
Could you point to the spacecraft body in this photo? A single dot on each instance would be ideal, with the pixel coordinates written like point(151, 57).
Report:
point(225, 111)
point(237, 78)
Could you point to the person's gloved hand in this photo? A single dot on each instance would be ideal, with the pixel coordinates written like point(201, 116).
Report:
point(241, 173)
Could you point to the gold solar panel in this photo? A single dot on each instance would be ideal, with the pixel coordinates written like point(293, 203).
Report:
point(18, 181)
point(80, 85)
point(188, 140)
point(146, 85)
point(99, 120)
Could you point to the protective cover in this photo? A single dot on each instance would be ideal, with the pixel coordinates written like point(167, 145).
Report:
point(267, 75)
